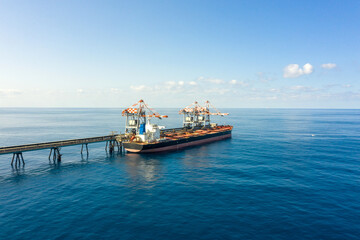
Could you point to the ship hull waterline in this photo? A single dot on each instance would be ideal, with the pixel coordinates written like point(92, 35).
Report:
point(176, 144)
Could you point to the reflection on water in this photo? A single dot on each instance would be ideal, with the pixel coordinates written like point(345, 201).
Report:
point(145, 166)
point(18, 174)
point(196, 157)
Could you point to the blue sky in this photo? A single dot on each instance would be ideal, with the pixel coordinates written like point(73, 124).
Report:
point(293, 54)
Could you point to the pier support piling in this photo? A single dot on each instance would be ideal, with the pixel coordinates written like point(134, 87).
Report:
point(120, 147)
point(87, 149)
point(110, 145)
point(50, 153)
point(18, 157)
point(12, 161)
point(22, 159)
point(56, 156)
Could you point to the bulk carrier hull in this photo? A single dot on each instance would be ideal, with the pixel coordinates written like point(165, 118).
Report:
point(173, 143)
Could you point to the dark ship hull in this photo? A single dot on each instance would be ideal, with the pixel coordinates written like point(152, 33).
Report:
point(179, 140)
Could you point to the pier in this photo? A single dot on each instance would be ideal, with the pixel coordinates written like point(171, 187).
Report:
point(112, 141)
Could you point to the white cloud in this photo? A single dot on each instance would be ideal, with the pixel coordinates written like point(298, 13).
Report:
point(298, 87)
point(308, 68)
point(10, 92)
point(168, 86)
point(140, 88)
point(219, 91)
point(274, 90)
point(239, 83)
point(80, 90)
point(215, 80)
point(115, 90)
point(328, 65)
point(172, 85)
point(193, 83)
point(201, 85)
point(211, 80)
point(233, 82)
point(294, 71)
point(301, 88)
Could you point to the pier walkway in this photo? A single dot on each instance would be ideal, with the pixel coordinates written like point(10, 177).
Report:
point(111, 142)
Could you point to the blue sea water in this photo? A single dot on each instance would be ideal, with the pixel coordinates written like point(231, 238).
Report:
point(284, 174)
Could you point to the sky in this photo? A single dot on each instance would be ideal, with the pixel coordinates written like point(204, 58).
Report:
point(236, 54)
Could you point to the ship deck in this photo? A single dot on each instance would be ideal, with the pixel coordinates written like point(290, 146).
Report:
point(175, 134)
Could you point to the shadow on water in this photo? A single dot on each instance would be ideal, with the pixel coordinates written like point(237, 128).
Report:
point(18, 174)
point(52, 167)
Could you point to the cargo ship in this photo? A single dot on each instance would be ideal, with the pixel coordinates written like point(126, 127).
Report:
point(145, 137)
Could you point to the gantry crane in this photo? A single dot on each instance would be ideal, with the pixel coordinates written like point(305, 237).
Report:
point(136, 116)
point(197, 116)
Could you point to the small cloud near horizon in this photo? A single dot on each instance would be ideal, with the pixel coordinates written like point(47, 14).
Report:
point(328, 65)
point(10, 92)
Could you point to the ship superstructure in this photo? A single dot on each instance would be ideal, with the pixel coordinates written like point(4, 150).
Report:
point(138, 123)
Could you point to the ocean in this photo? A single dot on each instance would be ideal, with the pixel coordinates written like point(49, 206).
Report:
point(284, 174)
